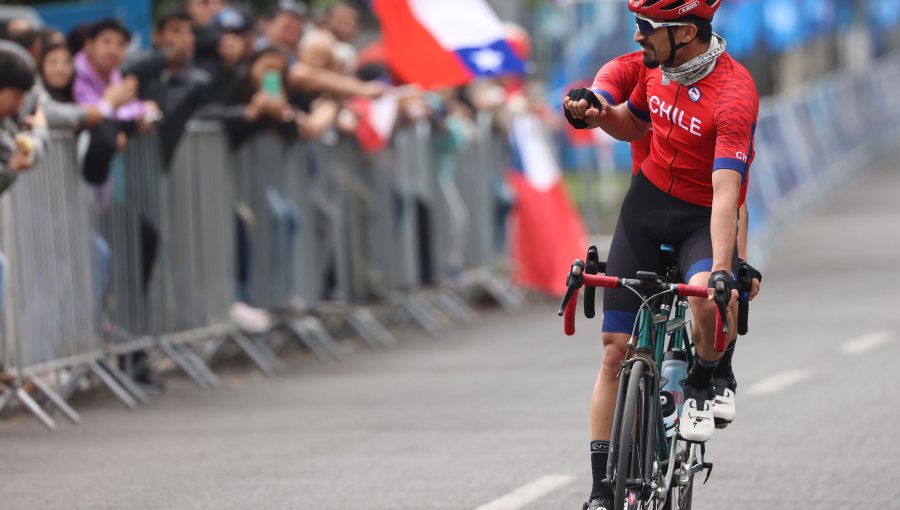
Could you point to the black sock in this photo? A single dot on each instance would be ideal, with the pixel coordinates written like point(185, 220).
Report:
point(701, 375)
point(599, 457)
point(724, 368)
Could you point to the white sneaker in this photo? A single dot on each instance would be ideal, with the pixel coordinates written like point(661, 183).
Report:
point(697, 425)
point(723, 407)
point(250, 319)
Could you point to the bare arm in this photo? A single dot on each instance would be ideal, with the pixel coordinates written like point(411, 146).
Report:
point(743, 223)
point(726, 190)
point(304, 77)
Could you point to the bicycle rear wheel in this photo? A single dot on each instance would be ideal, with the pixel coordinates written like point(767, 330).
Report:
point(633, 440)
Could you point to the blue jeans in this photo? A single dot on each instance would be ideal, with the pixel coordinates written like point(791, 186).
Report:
point(283, 229)
point(103, 258)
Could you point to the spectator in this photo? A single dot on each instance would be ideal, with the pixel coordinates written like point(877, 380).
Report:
point(285, 28)
point(317, 111)
point(179, 88)
point(21, 31)
point(250, 108)
point(342, 20)
point(57, 73)
point(259, 104)
point(200, 12)
point(99, 81)
point(75, 38)
point(20, 148)
point(228, 64)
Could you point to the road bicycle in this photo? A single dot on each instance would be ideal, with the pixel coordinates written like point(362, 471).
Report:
point(649, 466)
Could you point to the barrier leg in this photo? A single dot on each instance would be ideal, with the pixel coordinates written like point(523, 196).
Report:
point(113, 386)
point(308, 336)
point(252, 352)
point(63, 406)
point(367, 326)
point(420, 313)
point(68, 389)
point(125, 381)
point(6, 396)
point(263, 347)
point(199, 365)
point(456, 307)
point(509, 297)
point(186, 366)
point(23, 397)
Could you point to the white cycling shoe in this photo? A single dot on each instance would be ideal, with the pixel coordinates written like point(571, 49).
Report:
point(697, 425)
point(723, 408)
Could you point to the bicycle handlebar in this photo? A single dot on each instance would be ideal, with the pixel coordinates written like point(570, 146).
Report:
point(577, 278)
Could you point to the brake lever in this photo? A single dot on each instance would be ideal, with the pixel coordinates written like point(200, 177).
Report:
point(721, 298)
point(575, 280)
point(592, 267)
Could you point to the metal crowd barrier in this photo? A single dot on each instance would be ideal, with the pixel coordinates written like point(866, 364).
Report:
point(811, 141)
point(50, 321)
point(148, 262)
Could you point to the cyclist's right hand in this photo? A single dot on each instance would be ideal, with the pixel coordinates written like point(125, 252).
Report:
point(731, 286)
point(583, 108)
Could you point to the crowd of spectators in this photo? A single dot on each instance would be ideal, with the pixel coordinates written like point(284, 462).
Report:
point(291, 72)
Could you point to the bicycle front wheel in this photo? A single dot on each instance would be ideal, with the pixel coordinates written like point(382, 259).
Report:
point(634, 439)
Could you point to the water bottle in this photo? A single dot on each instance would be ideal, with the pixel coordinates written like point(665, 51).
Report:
point(674, 371)
point(669, 412)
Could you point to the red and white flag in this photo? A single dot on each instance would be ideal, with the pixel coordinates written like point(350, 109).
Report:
point(443, 43)
point(546, 231)
point(376, 121)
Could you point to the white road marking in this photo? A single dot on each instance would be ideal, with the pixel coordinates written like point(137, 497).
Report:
point(777, 382)
point(867, 343)
point(528, 493)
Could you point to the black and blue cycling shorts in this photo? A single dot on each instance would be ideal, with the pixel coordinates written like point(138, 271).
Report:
point(649, 218)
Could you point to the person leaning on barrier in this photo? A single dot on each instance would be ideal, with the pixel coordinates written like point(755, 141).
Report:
point(317, 112)
point(251, 107)
point(23, 142)
point(168, 78)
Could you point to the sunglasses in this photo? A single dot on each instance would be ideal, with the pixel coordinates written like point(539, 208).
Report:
point(646, 27)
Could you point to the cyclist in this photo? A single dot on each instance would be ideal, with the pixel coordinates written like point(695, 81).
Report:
point(702, 106)
point(615, 81)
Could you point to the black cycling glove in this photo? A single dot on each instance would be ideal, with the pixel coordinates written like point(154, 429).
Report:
point(577, 95)
point(725, 277)
point(752, 271)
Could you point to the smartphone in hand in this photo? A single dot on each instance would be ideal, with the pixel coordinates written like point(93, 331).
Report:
point(271, 83)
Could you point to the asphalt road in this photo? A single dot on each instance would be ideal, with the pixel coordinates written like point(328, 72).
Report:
point(471, 418)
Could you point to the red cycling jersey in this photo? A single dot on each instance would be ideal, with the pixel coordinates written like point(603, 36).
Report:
point(697, 129)
point(615, 81)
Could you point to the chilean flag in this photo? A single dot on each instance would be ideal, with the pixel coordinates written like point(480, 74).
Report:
point(444, 43)
point(546, 232)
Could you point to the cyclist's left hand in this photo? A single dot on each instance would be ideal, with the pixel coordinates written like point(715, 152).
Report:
point(756, 276)
point(730, 285)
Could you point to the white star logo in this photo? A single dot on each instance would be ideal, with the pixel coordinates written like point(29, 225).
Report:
point(487, 59)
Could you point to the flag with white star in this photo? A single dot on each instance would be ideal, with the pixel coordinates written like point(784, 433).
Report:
point(438, 43)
